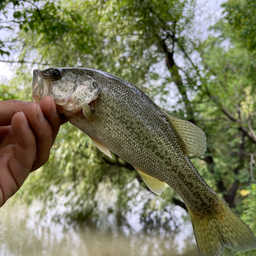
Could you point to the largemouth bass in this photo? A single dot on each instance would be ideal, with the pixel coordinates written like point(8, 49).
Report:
point(122, 119)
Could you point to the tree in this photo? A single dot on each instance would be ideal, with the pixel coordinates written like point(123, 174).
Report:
point(151, 44)
point(53, 27)
point(241, 19)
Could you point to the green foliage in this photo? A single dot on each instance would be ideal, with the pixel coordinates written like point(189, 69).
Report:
point(74, 176)
point(149, 43)
point(241, 18)
point(249, 206)
point(229, 88)
point(122, 37)
point(9, 20)
point(7, 93)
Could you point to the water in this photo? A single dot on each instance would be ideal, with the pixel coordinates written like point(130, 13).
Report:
point(24, 233)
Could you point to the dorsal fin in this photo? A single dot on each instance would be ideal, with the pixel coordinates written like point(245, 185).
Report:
point(102, 148)
point(155, 185)
point(193, 137)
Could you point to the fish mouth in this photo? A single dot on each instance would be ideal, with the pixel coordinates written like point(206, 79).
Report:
point(39, 88)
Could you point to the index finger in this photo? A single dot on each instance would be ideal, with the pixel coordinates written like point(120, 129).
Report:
point(8, 108)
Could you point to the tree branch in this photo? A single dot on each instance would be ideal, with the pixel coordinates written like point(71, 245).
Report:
point(230, 196)
point(28, 62)
point(130, 167)
point(232, 118)
point(174, 70)
point(180, 203)
point(211, 167)
point(118, 163)
point(251, 168)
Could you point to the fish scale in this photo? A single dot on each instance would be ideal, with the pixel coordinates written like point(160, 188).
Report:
point(120, 118)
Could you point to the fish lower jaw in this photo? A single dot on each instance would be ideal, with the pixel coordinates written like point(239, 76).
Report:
point(36, 98)
point(68, 111)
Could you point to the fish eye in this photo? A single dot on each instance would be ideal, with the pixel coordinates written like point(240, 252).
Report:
point(55, 74)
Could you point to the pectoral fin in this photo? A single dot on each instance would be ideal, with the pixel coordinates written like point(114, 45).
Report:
point(153, 184)
point(192, 137)
point(88, 112)
point(102, 148)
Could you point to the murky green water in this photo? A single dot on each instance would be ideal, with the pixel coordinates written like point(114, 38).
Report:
point(23, 233)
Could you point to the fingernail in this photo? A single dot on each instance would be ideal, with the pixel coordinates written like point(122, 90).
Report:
point(53, 109)
point(25, 121)
point(40, 115)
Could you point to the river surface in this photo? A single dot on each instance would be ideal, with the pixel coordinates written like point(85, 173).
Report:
point(24, 233)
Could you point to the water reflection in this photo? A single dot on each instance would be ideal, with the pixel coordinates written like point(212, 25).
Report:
point(23, 233)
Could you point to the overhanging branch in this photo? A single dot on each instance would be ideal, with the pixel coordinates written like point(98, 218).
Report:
point(29, 62)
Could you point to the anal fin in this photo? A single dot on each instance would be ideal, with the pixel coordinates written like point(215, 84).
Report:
point(155, 185)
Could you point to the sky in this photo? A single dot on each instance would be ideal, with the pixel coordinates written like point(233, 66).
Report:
point(209, 12)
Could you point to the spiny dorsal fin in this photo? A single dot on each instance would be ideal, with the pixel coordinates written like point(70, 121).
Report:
point(192, 136)
point(153, 184)
point(102, 148)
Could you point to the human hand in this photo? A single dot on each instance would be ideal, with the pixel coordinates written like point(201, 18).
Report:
point(27, 133)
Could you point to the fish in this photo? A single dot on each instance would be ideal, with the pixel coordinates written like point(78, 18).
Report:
point(120, 118)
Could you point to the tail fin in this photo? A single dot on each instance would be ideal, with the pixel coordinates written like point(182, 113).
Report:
point(216, 230)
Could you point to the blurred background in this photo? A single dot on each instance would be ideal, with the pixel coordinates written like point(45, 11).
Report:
point(196, 59)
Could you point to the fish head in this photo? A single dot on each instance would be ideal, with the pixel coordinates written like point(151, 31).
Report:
point(70, 88)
